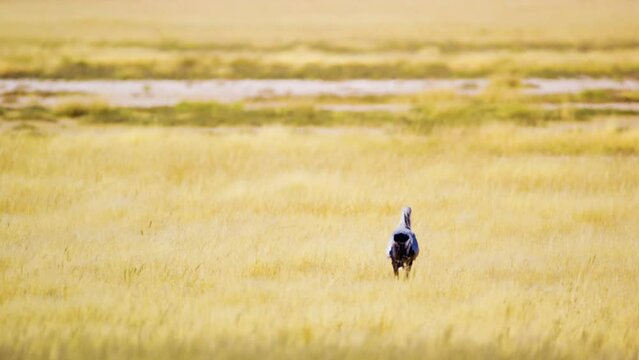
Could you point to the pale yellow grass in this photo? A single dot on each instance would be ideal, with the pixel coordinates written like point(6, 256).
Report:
point(341, 20)
point(183, 243)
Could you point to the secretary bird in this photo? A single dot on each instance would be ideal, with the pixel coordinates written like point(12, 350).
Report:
point(402, 246)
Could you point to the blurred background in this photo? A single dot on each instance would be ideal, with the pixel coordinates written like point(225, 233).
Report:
point(545, 60)
point(194, 39)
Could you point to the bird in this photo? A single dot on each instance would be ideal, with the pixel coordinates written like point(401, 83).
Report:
point(402, 247)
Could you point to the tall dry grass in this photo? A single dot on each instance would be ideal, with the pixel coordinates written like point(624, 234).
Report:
point(182, 243)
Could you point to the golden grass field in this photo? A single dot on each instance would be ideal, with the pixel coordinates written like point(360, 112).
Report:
point(258, 229)
point(133, 242)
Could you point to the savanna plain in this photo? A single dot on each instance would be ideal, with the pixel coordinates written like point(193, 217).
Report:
point(257, 229)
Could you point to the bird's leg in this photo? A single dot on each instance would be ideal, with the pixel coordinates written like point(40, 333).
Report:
point(408, 267)
point(395, 269)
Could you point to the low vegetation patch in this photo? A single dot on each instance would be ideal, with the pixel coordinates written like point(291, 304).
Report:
point(499, 103)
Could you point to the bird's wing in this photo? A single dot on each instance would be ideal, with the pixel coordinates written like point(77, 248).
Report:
point(389, 247)
point(414, 244)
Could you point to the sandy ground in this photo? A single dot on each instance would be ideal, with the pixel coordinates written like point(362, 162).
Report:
point(150, 93)
point(598, 106)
